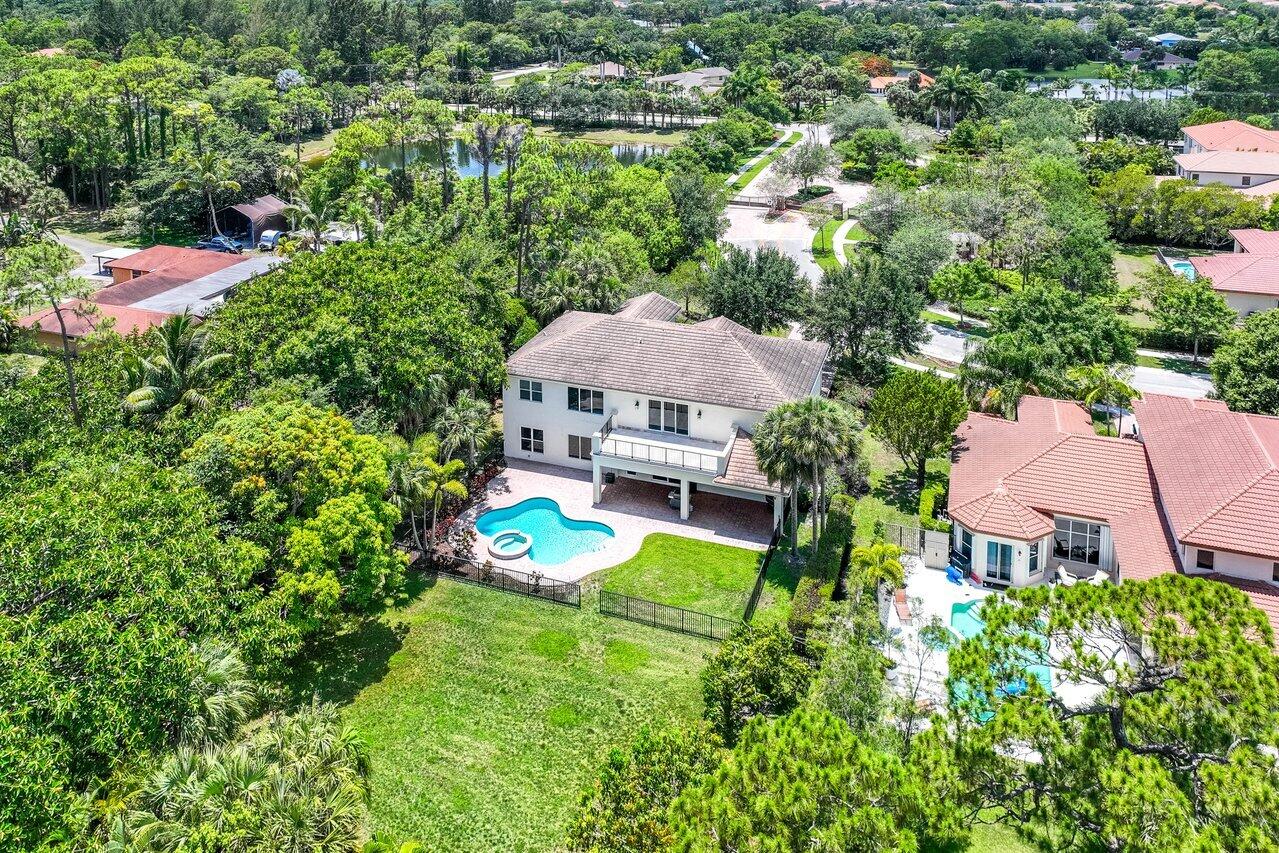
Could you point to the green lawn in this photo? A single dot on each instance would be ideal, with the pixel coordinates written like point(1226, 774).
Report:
point(614, 135)
point(1131, 261)
point(970, 328)
point(824, 246)
point(892, 498)
point(997, 838)
point(87, 224)
point(1091, 70)
point(1179, 365)
point(485, 712)
point(754, 171)
point(703, 576)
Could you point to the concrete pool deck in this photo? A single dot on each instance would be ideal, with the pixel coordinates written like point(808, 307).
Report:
point(633, 509)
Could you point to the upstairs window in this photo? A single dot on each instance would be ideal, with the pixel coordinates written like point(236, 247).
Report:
point(1204, 559)
point(665, 416)
point(586, 400)
point(530, 390)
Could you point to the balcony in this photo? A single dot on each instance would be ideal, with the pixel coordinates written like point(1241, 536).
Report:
point(661, 448)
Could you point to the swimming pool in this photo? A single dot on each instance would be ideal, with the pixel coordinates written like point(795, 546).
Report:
point(556, 537)
point(966, 622)
point(1184, 268)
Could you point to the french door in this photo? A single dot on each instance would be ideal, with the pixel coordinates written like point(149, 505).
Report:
point(999, 562)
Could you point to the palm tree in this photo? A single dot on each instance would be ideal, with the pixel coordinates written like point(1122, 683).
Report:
point(422, 403)
point(956, 91)
point(438, 482)
point(1104, 385)
point(997, 373)
point(1185, 75)
point(777, 463)
point(556, 37)
point(879, 562)
point(561, 291)
point(601, 49)
point(485, 139)
point(745, 82)
point(209, 174)
point(226, 694)
point(310, 213)
point(406, 472)
point(177, 372)
point(288, 175)
point(465, 423)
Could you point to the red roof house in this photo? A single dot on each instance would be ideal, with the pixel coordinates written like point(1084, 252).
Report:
point(1248, 277)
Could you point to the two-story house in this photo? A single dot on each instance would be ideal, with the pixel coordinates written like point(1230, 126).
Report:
point(636, 394)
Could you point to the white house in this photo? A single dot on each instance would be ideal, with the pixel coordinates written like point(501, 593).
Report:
point(707, 81)
point(1169, 39)
point(1229, 135)
point(1238, 169)
point(636, 394)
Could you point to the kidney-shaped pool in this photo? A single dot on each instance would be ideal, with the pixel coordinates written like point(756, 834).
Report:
point(556, 537)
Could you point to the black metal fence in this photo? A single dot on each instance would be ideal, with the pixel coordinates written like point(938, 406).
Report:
point(909, 539)
point(522, 583)
point(758, 589)
point(665, 616)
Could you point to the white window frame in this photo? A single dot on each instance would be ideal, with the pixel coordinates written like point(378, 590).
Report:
point(532, 440)
point(1074, 536)
point(594, 399)
point(582, 443)
point(531, 390)
point(668, 416)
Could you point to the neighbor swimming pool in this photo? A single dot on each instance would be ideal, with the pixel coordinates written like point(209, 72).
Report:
point(556, 538)
point(1185, 268)
point(966, 622)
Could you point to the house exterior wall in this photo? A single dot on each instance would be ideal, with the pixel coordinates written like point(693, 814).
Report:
point(1230, 179)
point(1021, 575)
point(558, 422)
point(1249, 303)
point(1228, 563)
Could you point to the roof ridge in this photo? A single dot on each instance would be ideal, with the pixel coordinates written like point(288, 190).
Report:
point(1225, 502)
point(772, 379)
point(1261, 444)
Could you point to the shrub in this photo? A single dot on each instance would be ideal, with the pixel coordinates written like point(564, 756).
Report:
point(928, 500)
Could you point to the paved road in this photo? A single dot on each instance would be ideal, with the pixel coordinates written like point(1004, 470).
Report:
point(85, 249)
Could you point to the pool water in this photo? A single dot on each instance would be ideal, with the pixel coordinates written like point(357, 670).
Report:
point(556, 537)
point(1184, 268)
point(966, 622)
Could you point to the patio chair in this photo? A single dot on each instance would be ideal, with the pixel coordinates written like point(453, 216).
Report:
point(1099, 577)
point(902, 606)
point(1064, 577)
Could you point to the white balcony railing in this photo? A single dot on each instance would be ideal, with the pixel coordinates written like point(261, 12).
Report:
point(657, 448)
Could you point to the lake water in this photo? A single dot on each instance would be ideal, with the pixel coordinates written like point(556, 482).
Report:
point(1101, 91)
point(628, 154)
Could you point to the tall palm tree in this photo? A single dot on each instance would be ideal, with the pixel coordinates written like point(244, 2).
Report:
point(556, 37)
point(1104, 385)
point(956, 91)
point(601, 51)
point(310, 212)
point(209, 174)
point(440, 481)
point(465, 423)
point(1185, 75)
point(777, 462)
point(820, 433)
point(177, 372)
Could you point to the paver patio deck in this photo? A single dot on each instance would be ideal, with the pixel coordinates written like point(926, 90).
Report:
point(632, 508)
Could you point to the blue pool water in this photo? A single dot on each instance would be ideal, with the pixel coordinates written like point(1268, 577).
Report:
point(965, 621)
point(1185, 268)
point(556, 538)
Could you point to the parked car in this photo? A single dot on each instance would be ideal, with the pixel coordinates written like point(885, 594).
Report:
point(270, 240)
point(221, 243)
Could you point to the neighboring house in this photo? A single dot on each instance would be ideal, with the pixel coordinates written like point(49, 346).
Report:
point(1169, 39)
point(1248, 277)
point(612, 71)
point(1230, 135)
point(48, 52)
point(1043, 491)
point(636, 394)
point(1087, 23)
point(1237, 169)
point(1167, 62)
point(879, 85)
point(1196, 494)
point(148, 287)
point(705, 80)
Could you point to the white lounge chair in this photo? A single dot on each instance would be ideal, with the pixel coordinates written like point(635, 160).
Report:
point(1064, 577)
point(1099, 577)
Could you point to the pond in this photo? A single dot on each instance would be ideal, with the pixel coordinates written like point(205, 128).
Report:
point(1102, 90)
point(627, 153)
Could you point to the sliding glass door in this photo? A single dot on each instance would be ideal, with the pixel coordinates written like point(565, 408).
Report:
point(999, 562)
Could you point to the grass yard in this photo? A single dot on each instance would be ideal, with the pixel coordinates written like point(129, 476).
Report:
point(892, 498)
point(1131, 261)
point(1084, 70)
point(1184, 366)
point(970, 328)
point(753, 172)
point(85, 223)
point(824, 246)
point(486, 713)
point(614, 135)
point(703, 576)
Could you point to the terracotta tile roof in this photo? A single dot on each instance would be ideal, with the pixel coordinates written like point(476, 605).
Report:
point(743, 467)
point(1264, 596)
point(1233, 135)
point(889, 80)
point(1009, 478)
point(1256, 163)
point(702, 363)
point(155, 258)
point(1256, 241)
point(1216, 471)
point(180, 271)
point(1240, 272)
point(81, 323)
point(650, 306)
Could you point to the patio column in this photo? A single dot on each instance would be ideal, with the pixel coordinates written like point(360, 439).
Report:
point(779, 510)
point(683, 500)
point(596, 478)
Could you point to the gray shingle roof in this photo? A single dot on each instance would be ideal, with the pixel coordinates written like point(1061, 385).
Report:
point(650, 306)
point(716, 363)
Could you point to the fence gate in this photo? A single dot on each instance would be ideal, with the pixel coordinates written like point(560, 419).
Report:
point(909, 539)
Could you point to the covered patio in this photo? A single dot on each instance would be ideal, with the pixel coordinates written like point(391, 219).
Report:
point(632, 508)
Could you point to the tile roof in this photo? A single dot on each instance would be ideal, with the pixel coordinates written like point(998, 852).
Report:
point(180, 271)
point(709, 363)
point(1256, 241)
point(1240, 272)
point(155, 257)
point(1010, 477)
point(1216, 471)
point(1232, 135)
point(81, 323)
point(742, 469)
point(1230, 162)
point(650, 306)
